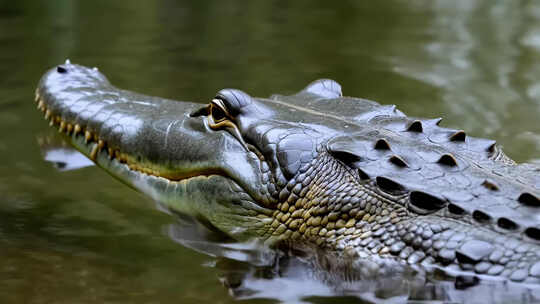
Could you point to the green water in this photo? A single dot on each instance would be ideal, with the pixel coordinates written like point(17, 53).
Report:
point(80, 236)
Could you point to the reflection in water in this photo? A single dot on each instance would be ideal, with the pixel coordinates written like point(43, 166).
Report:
point(79, 236)
point(478, 57)
point(61, 155)
point(302, 274)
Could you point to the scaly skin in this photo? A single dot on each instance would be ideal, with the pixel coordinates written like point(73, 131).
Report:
point(346, 174)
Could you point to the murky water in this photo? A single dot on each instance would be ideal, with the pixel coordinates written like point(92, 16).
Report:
point(79, 236)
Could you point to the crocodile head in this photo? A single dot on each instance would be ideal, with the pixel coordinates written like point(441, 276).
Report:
point(346, 174)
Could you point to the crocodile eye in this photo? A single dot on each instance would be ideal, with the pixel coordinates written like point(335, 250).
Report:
point(219, 118)
point(217, 113)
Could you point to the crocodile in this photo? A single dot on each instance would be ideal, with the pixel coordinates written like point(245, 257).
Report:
point(345, 174)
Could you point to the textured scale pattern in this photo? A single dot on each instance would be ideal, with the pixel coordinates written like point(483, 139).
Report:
point(345, 173)
point(339, 212)
point(408, 167)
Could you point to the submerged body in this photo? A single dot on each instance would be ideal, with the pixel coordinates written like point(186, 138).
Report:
point(346, 174)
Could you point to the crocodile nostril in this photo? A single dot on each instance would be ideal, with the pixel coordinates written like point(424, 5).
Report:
point(60, 69)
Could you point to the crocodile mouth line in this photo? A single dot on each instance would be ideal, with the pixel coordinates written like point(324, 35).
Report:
point(97, 145)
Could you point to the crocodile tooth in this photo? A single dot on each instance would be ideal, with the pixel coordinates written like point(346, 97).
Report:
point(62, 127)
point(36, 98)
point(48, 114)
point(69, 128)
point(68, 61)
point(87, 136)
point(101, 144)
point(111, 152)
point(77, 129)
point(51, 123)
point(94, 152)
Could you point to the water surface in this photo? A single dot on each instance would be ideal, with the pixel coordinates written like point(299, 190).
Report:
point(79, 236)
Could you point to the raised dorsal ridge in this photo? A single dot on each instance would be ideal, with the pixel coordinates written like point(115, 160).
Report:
point(481, 217)
point(507, 224)
point(458, 136)
point(529, 199)
point(389, 185)
point(424, 203)
point(433, 121)
point(490, 185)
point(398, 161)
point(382, 144)
point(345, 149)
point(415, 126)
point(533, 233)
point(448, 160)
point(327, 88)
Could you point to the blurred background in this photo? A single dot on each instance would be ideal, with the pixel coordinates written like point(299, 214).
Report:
point(81, 237)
